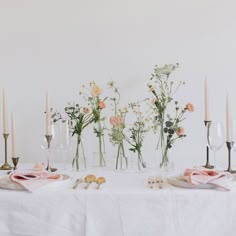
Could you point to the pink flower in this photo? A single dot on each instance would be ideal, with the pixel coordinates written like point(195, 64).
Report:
point(85, 110)
point(101, 105)
point(117, 121)
point(190, 107)
point(180, 131)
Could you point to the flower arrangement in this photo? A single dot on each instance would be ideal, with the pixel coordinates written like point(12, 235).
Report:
point(168, 124)
point(96, 104)
point(138, 130)
point(80, 118)
point(117, 121)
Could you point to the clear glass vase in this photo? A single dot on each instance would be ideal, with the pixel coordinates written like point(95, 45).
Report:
point(166, 162)
point(79, 160)
point(135, 162)
point(121, 159)
point(100, 155)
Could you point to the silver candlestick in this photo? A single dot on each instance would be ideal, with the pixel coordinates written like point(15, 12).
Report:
point(229, 147)
point(207, 165)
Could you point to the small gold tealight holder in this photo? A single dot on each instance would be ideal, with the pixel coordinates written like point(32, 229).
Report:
point(15, 162)
point(5, 166)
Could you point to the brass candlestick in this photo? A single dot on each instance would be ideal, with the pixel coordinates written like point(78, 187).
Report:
point(207, 165)
point(229, 146)
point(5, 166)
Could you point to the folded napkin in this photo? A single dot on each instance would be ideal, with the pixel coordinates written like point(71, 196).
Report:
point(197, 176)
point(28, 180)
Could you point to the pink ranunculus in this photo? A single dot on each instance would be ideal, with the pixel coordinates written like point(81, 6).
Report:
point(117, 121)
point(101, 105)
point(180, 131)
point(190, 107)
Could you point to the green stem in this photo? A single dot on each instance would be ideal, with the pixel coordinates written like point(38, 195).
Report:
point(82, 147)
point(101, 145)
point(76, 158)
point(164, 160)
point(117, 157)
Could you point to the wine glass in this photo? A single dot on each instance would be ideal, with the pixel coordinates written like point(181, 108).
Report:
point(64, 139)
point(51, 145)
point(215, 137)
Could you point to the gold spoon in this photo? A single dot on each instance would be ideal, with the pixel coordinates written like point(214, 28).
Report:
point(89, 179)
point(99, 181)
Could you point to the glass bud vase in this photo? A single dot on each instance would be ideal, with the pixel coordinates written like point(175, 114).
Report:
point(79, 160)
point(121, 159)
point(166, 163)
point(135, 162)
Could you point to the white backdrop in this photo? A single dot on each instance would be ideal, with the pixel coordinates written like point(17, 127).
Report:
point(56, 46)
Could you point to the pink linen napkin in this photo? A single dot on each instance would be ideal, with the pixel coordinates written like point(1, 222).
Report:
point(197, 176)
point(32, 180)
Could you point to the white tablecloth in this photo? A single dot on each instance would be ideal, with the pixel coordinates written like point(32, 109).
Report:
point(123, 206)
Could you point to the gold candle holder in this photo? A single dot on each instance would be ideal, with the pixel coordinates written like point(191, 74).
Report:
point(5, 166)
point(207, 165)
point(15, 162)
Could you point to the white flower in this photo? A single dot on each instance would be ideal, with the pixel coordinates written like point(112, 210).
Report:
point(165, 70)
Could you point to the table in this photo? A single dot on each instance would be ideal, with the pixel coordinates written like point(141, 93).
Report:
point(124, 206)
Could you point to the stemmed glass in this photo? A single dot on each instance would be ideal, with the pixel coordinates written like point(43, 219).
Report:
point(48, 146)
point(64, 139)
point(215, 137)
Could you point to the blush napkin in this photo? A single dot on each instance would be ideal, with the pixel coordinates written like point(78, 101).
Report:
point(32, 180)
point(197, 176)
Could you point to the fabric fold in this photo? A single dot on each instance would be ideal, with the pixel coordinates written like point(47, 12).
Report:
point(28, 180)
point(197, 176)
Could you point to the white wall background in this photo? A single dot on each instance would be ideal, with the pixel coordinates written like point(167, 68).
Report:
point(56, 46)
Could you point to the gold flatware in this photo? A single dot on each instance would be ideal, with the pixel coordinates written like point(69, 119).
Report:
point(160, 182)
point(99, 181)
point(89, 179)
point(151, 182)
point(77, 182)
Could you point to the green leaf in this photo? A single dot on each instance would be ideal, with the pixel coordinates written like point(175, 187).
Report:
point(169, 123)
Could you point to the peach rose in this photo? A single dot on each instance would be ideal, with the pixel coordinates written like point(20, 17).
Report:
point(180, 131)
point(96, 91)
point(101, 105)
point(190, 107)
point(85, 110)
point(117, 121)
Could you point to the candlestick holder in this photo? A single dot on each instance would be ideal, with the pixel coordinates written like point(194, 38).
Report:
point(15, 162)
point(207, 165)
point(49, 139)
point(229, 147)
point(5, 166)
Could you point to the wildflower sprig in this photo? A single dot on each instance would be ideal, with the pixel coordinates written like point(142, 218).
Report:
point(163, 90)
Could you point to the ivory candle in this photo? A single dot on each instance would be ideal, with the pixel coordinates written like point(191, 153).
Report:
point(5, 128)
point(207, 117)
point(228, 120)
point(48, 130)
point(13, 134)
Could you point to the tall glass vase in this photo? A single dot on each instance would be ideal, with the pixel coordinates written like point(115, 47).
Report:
point(121, 159)
point(79, 158)
point(166, 147)
point(101, 145)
